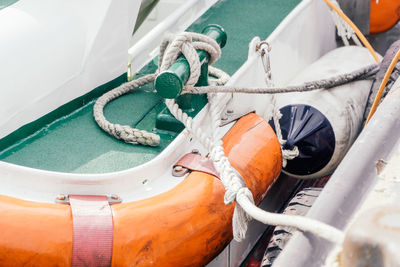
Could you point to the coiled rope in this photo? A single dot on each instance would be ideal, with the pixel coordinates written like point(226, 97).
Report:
point(137, 136)
point(186, 44)
point(236, 190)
point(124, 132)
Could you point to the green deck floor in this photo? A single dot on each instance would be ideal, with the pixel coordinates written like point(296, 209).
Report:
point(68, 139)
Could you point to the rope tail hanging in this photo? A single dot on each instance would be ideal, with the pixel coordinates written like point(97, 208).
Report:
point(236, 189)
point(346, 28)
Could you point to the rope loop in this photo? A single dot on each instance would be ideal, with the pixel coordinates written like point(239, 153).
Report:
point(289, 155)
point(186, 44)
point(125, 133)
point(236, 189)
point(170, 49)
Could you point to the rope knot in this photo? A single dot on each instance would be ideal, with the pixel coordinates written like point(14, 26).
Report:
point(289, 154)
point(186, 44)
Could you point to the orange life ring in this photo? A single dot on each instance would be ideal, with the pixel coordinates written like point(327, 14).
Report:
point(186, 226)
point(384, 14)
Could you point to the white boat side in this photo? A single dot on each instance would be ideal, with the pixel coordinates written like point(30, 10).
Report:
point(146, 48)
point(304, 35)
point(55, 51)
point(155, 176)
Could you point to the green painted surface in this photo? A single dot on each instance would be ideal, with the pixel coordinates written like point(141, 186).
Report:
point(69, 140)
point(242, 20)
point(75, 144)
point(30, 129)
point(6, 3)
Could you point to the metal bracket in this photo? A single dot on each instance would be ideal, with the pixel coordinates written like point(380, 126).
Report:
point(234, 110)
point(64, 199)
point(263, 48)
point(193, 162)
point(178, 170)
point(229, 115)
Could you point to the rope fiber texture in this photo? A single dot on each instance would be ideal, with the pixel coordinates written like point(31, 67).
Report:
point(334, 7)
point(185, 44)
point(236, 190)
point(360, 74)
point(264, 49)
point(124, 132)
point(345, 31)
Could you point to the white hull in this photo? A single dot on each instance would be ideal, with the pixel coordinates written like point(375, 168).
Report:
point(303, 37)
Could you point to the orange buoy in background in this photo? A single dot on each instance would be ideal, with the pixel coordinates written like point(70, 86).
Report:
point(384, 14)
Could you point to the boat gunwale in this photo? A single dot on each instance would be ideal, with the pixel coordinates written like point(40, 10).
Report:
point(108, 183)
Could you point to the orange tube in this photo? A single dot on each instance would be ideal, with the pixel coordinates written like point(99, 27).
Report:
point(195, 223)
point(384, 14)
point(34, 234)
point(355, 29)
point(186, 226)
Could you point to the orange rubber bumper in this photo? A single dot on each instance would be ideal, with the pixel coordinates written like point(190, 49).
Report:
point(186, 226)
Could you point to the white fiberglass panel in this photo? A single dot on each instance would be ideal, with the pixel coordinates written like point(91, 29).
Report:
point(155, 177)
point(53, 51)
point(305, 35)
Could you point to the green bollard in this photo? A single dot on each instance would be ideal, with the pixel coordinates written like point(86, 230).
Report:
point(169, 84)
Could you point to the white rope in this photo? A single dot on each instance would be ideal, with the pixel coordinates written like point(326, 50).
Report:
point(343, 28)
point(230, 178)
point(222, 77)
point(264, 50)
point(334, 81)
point(233, 182)
point(137, 136)
point(124, 132)
point(302, 223)
point(170, 49)
point(287, 154)
point(187, 43)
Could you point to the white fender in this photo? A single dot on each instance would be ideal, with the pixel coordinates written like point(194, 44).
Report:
point(343, 106)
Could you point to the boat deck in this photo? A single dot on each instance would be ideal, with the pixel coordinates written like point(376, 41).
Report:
point(69, 140)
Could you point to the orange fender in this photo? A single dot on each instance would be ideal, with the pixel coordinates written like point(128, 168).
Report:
point(186, 226)
point(384, 14)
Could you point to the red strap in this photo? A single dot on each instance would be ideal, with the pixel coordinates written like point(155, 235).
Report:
point(93, 230)
point(195, 162)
